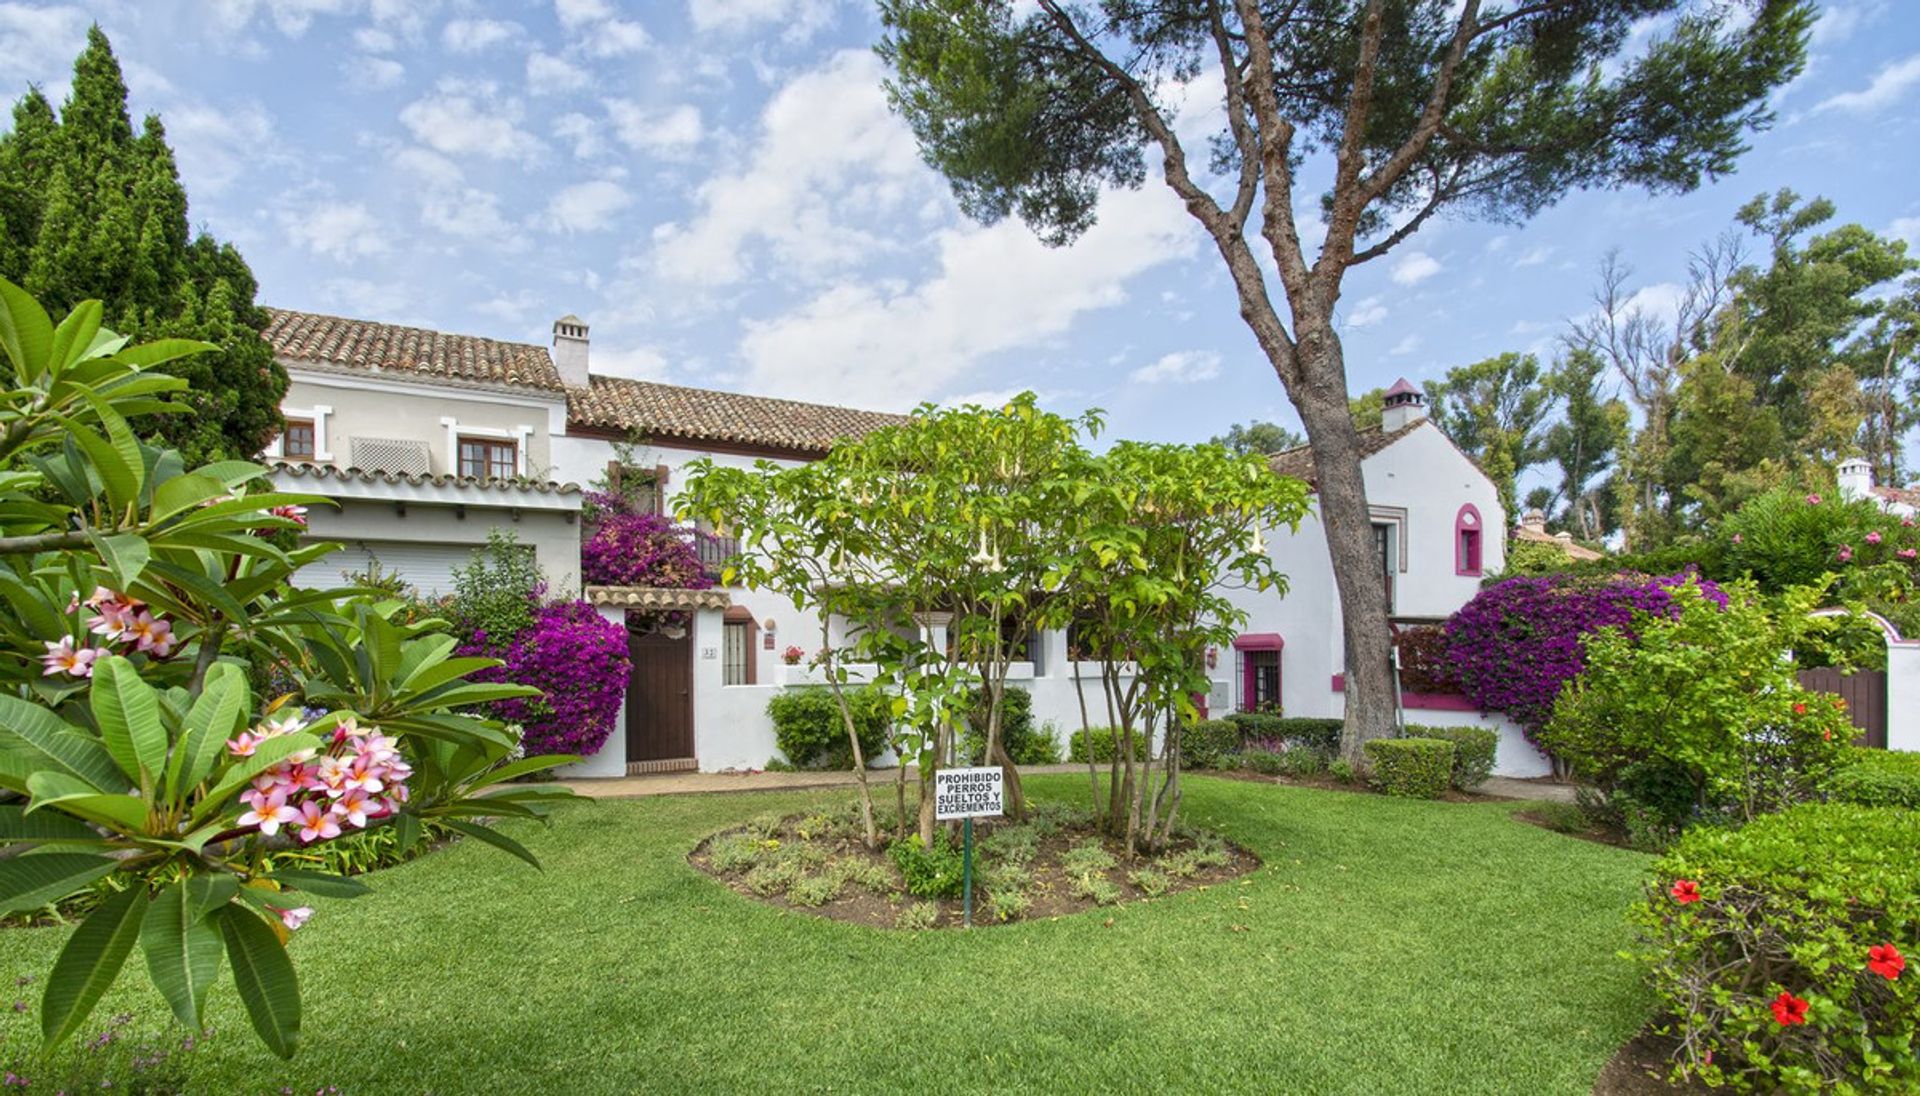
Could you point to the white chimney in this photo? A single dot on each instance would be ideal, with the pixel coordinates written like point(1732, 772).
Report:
point(1534, 521)
point(1856, 478)
point(570, 350)
point(1404, 404)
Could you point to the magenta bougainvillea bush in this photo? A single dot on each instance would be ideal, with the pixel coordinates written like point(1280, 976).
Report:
point(578, 660)
point(625, 548)
point(1517, 642)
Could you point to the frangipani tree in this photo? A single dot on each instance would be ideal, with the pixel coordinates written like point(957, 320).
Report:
point(1161, 535)
point(132, 747)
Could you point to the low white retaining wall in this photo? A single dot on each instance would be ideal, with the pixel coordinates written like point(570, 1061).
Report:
point(1903, 695)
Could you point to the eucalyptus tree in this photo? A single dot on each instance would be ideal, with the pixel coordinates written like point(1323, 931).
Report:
point(1425, 106)
point(1161, 536)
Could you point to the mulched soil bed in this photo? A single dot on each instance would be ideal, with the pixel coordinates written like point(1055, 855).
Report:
point(1640, 1069)
point(1053, 862)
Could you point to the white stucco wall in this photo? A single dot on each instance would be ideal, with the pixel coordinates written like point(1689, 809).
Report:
point(367, 406)
point(1903, 695)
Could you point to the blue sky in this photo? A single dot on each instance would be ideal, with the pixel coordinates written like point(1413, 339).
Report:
point(718, 188)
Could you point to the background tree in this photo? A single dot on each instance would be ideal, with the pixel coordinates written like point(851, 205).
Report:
point(1426, 106)
point(1583, 444)
point(91, 209)
point(1367, 408)
point(1262, 438)
point(1496, 411)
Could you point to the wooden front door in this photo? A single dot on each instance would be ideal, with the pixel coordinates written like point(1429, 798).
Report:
point(1865, 692)
point(660, 702)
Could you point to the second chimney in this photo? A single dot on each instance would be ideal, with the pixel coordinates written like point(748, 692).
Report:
point(570, 350)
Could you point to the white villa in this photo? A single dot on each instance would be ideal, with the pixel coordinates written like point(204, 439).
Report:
point(428, 441)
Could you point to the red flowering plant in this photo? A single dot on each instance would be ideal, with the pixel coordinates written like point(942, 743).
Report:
point(1775, 951)
point(145, 788)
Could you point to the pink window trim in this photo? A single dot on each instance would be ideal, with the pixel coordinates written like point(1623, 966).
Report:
point(1253, 641)
point(1461, 526)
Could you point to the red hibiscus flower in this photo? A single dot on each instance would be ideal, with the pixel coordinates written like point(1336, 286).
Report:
point(1789, 1010)
point(1684, 891)
point(1886, 961)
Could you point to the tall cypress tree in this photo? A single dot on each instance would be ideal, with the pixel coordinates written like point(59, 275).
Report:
point(89, 208)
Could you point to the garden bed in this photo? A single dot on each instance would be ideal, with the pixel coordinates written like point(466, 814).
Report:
point(1053, 864)
point(1329, 782)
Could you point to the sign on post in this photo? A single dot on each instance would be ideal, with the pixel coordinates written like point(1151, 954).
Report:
point(969, 793)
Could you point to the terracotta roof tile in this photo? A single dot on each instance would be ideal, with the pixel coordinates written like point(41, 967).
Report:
point(1567, 545)
point(663, 411)
point(1298, 461)
point(433, 355)
point(1899, 496)
point(306, 470)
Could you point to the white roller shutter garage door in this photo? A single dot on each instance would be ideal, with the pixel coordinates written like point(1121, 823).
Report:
point(428, 568)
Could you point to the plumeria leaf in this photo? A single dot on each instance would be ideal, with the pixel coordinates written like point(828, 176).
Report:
point(324, 884)
point(128, 712)
point(492, 837)
point(215, 717)
point(38, 879)
point(26, 332)
point(63, 747)
point(210, 892)
point(17, 826)
point(183, 952)
point(263, 974)
point(514, 769)
point(75, 797)
point(89, 963)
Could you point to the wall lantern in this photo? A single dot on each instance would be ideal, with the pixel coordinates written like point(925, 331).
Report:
point(1213, 657)
point(766, 634)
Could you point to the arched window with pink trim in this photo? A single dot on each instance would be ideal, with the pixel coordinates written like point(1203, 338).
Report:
point(1469, 542)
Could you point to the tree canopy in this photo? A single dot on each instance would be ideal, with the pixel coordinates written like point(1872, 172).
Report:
point(1259, 438)
point(92, 209)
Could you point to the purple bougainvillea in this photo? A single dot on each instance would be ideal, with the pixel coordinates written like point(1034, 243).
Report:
point(623, 548)
point(578, 661)
point(1515, 644)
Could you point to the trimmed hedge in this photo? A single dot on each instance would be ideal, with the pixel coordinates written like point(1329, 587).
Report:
point(1877, 778)
point(1025, 743)
point(1204, 742)
point(1473, 751)
point(1419, 768)
point(1319, 734)
point(1777, 949)
point(807, 725)
point(1104, 749)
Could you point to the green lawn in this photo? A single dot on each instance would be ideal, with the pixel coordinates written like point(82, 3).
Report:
point(1385, 947)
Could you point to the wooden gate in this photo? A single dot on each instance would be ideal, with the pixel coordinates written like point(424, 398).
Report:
point(1865, 692)
point(660, 703)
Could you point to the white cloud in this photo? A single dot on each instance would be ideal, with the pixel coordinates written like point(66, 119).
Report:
point(1407, 345)
point(461, 124)
point(1497, 244)
point(1415, 267)
point(1179, 367)
point(575, 14)
point(644, 363)
point(800, 17)
point(1535, 256)
point(1888, 87)
point(373, 72)
point(374, 40)
point(1367, 312)
point(616, 38)
point(475, 35)
point(581, 131)
point(586, 207)
point(1908, 229)
point(216, 145)
point(995, 289)
point(666, 130)
point(449, 205)
point(38, 44)
point(336, 230)
point(1838, 22)
point(550, 75)
point(808, 200)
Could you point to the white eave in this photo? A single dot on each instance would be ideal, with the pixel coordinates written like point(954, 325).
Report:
point(362, 485)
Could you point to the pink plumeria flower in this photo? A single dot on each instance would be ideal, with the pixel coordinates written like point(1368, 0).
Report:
point(149, 633)
point(64, 658)
point(100, 596)
point(1813, 500)
point(294, 917)
point(269, 811)
point(1873, 537)
point(243, 745)
point(365, 777)
point(115, 618)
point(331, 773)
point(290, 723)
point(1846, 553)
point(354, 806)
point(316, 823)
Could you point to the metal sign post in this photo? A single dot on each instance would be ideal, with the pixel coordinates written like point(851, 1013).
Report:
point(968, 794)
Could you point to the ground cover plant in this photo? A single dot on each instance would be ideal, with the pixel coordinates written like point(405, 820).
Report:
point(1385, 946)
point(1053, 862)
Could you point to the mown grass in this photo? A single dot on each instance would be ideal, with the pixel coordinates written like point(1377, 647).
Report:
point(1386, 946)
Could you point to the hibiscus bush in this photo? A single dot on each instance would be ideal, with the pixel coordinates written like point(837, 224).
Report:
point(1518, 642)
point(1779, 951)
point(1702, 691)
point(136, 761)
point(578, 661)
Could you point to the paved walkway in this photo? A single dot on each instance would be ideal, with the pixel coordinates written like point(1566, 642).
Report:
point(634, 787)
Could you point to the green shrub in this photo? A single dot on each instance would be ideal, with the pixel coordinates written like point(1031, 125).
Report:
point(1562, 817)
point(735, 852)
point(918, 915)
point(815, 890)
point(1473, 751)
point(1008, 905)
point(1303, 761)
point(1204, 742)
point(1264, 761)
point(874, 878)
point(1318, 734)
point(780, 765)
point(1342, 770)
point(1104, 749)
point(1026, 744)
point(808, 727)
point(1420, 768)
point(1013, 844)
point(1877, 778)
point(1785, 913)
point(930, 872)
point(1103, 891)
point(999, 875)
point(1085, 857)
point(1227, 762)
point(1150, 881)
point(769, 879)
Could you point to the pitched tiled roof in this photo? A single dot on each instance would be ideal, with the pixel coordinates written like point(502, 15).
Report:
point(1559, 540)
point(391, 348)
point(1898, 496)
point(665, 411)
point(1298, 461)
